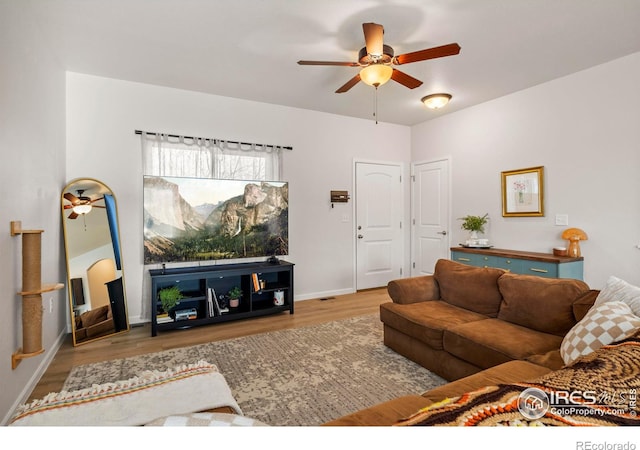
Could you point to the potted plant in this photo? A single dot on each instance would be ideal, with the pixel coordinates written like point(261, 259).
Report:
point(474, 224)
point(234, 297)
point(170, 297)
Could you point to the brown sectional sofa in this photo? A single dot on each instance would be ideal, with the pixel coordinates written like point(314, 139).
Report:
point(390, 412)
point(475, 327)
point(94, 323)
point(465, 319)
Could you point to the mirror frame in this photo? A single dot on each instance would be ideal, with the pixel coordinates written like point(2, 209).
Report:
point(116, 288)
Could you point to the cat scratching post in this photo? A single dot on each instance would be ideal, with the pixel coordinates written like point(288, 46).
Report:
point(32, 289)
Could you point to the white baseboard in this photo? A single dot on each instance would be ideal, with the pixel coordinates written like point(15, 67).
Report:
point(324, 294)
point(49, 354)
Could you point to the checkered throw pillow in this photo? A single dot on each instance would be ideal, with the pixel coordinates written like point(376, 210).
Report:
point(602, 325)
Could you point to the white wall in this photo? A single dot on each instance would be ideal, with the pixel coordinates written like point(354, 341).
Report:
point(102, 115)
point(32, 114)
point(585, 130)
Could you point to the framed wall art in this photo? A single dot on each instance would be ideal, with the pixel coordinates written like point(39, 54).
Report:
point(523, 192)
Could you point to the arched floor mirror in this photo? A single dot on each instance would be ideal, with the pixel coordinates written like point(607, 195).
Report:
point(97, 301)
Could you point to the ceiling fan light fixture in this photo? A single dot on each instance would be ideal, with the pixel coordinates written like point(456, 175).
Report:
point(82, 209)
point(436, 101)
point(376, 74)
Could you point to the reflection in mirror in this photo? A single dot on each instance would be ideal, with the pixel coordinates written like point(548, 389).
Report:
point(94, 265)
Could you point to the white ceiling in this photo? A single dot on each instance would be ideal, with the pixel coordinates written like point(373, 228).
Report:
point(249, 49)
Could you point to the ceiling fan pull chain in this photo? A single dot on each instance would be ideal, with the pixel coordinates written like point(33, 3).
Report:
point(375, 104)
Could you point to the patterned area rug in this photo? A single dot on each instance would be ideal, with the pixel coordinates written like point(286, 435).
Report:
point(299, 377)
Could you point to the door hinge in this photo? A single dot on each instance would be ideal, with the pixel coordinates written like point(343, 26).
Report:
point(400, 270)
point(414, 265)
point(401, 225)
point(413, 178)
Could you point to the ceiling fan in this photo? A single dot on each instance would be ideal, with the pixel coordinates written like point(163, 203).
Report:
point(376, 60)
point(80, 204)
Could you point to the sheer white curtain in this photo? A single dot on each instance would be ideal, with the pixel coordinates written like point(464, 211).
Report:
point(180, 156)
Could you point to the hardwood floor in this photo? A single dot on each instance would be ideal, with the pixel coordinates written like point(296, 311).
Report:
point(139, 341)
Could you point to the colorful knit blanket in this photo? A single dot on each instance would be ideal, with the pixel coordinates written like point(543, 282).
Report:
point(598, 390)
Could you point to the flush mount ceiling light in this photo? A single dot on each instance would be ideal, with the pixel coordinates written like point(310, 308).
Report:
point(376, 74)
point(436, 101)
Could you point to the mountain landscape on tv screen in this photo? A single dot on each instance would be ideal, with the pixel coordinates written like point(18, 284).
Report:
point(251, 220)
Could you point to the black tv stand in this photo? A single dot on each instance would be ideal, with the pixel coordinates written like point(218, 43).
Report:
point(259, 283)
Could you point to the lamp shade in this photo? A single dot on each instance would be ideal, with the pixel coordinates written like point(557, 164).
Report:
point(82, 209)
point(376, 74)
point(436, 101)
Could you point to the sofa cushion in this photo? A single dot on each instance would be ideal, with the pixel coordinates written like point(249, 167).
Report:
point(425, 321)
point(509, 372)
point(413, 289)
point(604, 324)
point(94, 316)
point(383, 414)
point(617, 290)
point(472, 288)
point(552, 359)
point(490, 342)
point(542, 304)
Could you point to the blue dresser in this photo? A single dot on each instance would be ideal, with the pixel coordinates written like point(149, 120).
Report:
point(515, 261)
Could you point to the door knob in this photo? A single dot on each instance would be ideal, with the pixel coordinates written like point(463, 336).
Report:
point(360, 236)
point(444, 233)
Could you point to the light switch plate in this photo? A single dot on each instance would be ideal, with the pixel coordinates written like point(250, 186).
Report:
point(562, 219)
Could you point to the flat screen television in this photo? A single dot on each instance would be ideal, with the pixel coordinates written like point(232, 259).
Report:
point(200, 219)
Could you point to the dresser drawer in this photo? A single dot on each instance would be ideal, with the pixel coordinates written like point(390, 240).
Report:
point(542, 269)
point(474, 259)
point(512, 265)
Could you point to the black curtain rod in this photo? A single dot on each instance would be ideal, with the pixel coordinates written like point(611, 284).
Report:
point(231, 142)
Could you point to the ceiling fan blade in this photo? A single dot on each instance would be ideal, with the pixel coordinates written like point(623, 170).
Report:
point(349, 84)
point(328, 63)
point(430, 53)
point(373, 38)
point(405, 80)
point(98, 206)
point(73, 215)
point(97, 200)
point(72, 198)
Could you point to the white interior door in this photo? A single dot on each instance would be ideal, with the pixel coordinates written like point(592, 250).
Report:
point(430, 209)
point(379, 240)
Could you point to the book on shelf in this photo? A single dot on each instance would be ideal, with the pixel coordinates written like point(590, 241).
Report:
point(211, 311)
point(216, 304)
point(214, 299)
point(163, 318)
point(256, 283)
point(186, 314)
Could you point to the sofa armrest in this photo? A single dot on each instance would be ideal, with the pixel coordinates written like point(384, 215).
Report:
point(584, 303)
point(414, 289)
